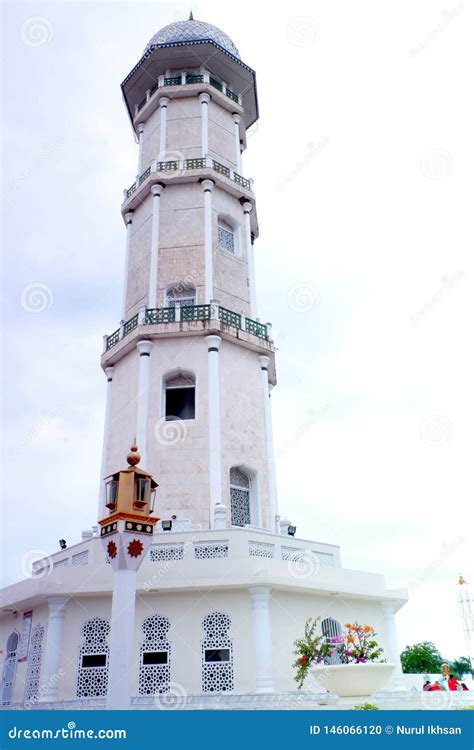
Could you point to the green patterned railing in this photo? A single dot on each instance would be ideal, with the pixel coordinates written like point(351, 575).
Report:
point(173, 81)
point(231, 95)
point(130, 325)
point(194, 78)
point(160, 315)
point(143, 176)
point(195, 163)
point(214, 82)
point(242, 181)
point(197, 312)
point(131, 189)
point(220, 168)
point(113, 339)
point(167, 166)
point(256, 328)
point(229, 318)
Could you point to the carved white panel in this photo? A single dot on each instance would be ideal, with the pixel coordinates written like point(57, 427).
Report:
point(82, 558)
point(261, 549)
point(217, 676)
point(35, 655)
point(209, 550)
point(92, 681)
point(154, 678)
point(163, 552)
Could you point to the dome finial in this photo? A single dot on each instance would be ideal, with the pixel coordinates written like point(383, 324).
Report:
point(133, 457)
point(191, 17)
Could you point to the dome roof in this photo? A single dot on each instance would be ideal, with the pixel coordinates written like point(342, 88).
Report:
point(191, 31)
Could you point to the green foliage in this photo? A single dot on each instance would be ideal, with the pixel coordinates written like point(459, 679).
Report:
point(421, 657)
point(466, 708)
point(312, 649)
point(461, 666)
point(365, 707)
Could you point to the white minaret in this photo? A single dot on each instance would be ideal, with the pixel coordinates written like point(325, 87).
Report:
point(192, 365)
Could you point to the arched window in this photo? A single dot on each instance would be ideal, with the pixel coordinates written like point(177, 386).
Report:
point(9, 668)
point(217, 657)
point(154, 675)
point(35, 656)
point(226, 236)
point(181, 295)
point(180, 396)
point(331, 628)
point(240, 488)
point(93, 667)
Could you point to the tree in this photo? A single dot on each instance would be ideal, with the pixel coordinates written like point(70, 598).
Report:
point(421, 657)
point(461, 666)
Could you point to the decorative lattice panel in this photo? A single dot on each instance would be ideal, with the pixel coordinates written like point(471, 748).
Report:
point(239, 478)
point(325, 559)
point(163, 552)
point(92, 681)
point(209, 550)
point(61, 563)
point(261, 549)
point(33, 673)
point(82, 558)
point(217, 676)
point(9, 669)
point(291, 553)
point(239, 506)
point(154, 678)
point(179, 381)
point(226, 239)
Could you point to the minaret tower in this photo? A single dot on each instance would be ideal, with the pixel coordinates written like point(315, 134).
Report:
point(191, 365)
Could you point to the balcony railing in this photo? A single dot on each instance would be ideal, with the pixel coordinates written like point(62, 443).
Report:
point(188, 314)
point(186, 79)
point(183, 165)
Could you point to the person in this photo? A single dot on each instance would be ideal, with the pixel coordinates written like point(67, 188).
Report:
point(464, 686)
point(435, 686)
point(427, 685)
point(452, 683)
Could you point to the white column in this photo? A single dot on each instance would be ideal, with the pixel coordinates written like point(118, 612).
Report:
point(215, 472)
point(144, 347)
point(140, 128)
point(109, 372)
point(260, 597)
point(204, 99)
point(392, 650)
point(207, 187)
point(155, 232)
point(238, 153)
point(121, 639)
point(272, 487)
point(163, 102)
point(53, 651)
point(250, 266)
point(128, 221)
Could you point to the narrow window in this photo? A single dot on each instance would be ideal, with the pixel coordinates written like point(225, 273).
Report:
point(180, 393)
point(9, 669)
point(180, 295)
point(217, 674)
point(93, 667)
point(239, 497)
point(155, 657)
point(226, 237)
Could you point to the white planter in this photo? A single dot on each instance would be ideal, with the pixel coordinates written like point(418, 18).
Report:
point(353, 679)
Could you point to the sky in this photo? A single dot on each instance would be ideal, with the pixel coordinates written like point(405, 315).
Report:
point(363, 161)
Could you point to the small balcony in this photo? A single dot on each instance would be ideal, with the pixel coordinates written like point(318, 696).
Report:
point(185, 79)
point(167, 316)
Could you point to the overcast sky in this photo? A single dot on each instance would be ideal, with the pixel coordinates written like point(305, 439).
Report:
point(363, 163)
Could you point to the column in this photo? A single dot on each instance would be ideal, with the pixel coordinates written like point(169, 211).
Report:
point(122, 639)
point(247, 206)
point(238, 154)
point(109, 371)
point(215, 472)
point(155, 232)
point(163, 102)
point(272, 487)
point(53, 651)
point(140, 129)
point(207, 187)
point(144, 348)
point(392, 650)
point(128, 222)
point(260, 597)
point(204, 99)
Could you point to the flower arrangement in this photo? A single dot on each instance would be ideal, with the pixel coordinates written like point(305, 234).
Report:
point(357, 645)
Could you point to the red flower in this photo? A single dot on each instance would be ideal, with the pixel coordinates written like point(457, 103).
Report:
point(303, 661)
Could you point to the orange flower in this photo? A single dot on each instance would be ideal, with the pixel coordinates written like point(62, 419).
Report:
point(367, 629)
point(350, 638)
point(348, 625)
